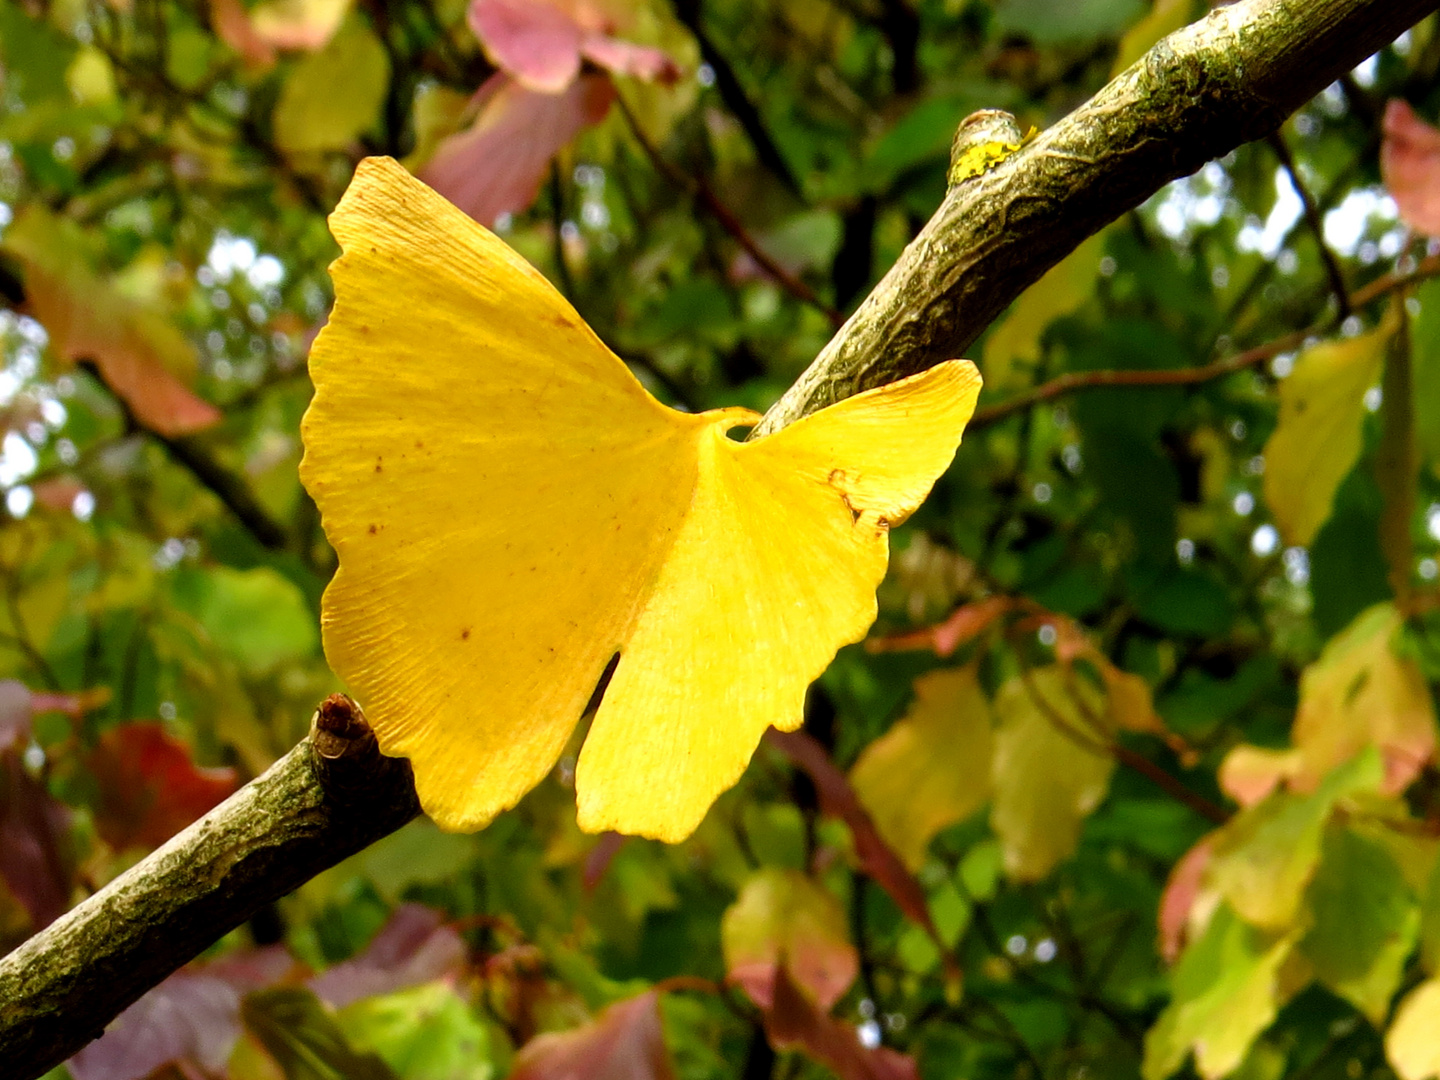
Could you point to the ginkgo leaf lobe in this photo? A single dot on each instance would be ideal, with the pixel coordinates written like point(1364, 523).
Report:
point(511, 508)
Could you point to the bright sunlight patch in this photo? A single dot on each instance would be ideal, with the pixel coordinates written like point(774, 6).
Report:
point(511, 508)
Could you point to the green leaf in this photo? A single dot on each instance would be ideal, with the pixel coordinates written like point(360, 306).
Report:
point(1181, 600)
point(256, 616)
point(1318, 438)
point(1049, 771)
point(1397, 461)
point(334, 95)
point(1047, 23)
point(979, 870)
point(1425, 358)
point(304, 1038)
point(1348, 572)
point(36, 56)
point(1265, 856)
point(1364, 922)
point(1165, 18)
point(423, 1033)
point(1224, 992)
point(805, 241)
point(1065, 286)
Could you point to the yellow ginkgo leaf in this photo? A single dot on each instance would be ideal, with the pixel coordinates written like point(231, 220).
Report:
point(511, 509)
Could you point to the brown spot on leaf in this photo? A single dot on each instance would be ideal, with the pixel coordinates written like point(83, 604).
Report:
point(373, 530)
point(465, 634)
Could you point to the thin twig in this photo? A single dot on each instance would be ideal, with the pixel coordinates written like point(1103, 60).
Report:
point(233, 492)
point(735, 97)
point(557, 223)
point(699, 189)
point(1091, 380)
point(1276, 141)
point(1125, 756)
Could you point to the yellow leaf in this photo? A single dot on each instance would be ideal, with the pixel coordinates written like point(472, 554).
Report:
point(334, 95)
point(1359, 693)
point(298, 24)
point(932, 768)
point(782, 917)
point(1047, 781)
point(1410, 1044)
point(1317, 441)
point(511, 509)
point(90, 77)
point(1065, 286)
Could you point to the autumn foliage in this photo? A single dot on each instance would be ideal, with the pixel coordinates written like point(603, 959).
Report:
point(408, 348)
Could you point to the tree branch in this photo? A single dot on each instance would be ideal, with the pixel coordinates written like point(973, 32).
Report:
point(734, 96)
point(331, 796)
point(700, 190)
point(1228, 79)
point(1276, 140)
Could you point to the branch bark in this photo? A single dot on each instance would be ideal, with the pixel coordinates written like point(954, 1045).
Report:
point(331, 796)
point(1204, 90)
point(1228, 79)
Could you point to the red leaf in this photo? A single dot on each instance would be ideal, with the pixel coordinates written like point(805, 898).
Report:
point(231, 23)
point(257, 32)
point(782, 919)
point(150, 789)
point(414, 947)
point(58, 493)
point(536, 42)
point(192, 1017)
point(33, 850)
point(1181, 891)
point(15, 713)
point(496, 165)
point(627, 58)
point(796, 1022)
point(625, 1042)
point(540, 44)
point(838, 799)
point(600, 858)
point(136, 349)
point(1410, 164)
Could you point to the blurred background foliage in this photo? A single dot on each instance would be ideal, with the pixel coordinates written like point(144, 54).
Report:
point(1135, 776)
